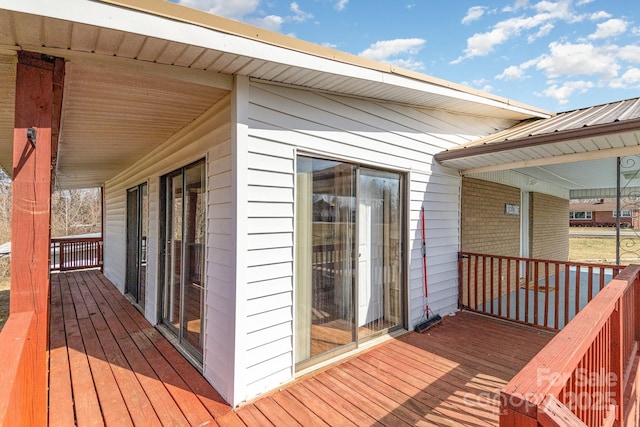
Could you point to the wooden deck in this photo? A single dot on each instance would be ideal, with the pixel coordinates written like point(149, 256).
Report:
point(108, 365)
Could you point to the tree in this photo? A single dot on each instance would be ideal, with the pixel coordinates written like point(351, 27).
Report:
point(76, 211)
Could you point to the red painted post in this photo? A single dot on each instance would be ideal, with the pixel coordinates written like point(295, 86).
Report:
point(31, 219)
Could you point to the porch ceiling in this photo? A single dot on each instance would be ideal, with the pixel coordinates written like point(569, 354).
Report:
point(576, 150)
point(111, 117)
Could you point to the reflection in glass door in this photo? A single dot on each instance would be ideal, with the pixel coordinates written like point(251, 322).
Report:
point(137, 223)
point(184, 235)
point(348, 256)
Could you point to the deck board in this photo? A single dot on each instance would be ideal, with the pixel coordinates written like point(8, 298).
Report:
point(109, 366)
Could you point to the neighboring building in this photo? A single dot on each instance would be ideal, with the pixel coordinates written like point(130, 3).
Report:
point(602, 213)
point(262, 195)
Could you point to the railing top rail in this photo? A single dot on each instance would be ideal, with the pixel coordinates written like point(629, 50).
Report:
point(538, 260)
point(75, 239)
point(571, 343)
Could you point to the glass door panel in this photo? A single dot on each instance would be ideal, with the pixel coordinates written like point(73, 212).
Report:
point(136, 262)
point(194, 242)
point(379, 273)
point(326, 252)
point(142, 245)
point(185, 237)
point(349, 278)
point(131, 280)
point(173, 280)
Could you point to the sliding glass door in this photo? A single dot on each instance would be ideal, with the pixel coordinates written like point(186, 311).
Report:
point(137, 223)
point(348, 256)
point(183, 233)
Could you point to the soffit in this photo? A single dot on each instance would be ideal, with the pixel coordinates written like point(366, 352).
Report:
point(208, 42)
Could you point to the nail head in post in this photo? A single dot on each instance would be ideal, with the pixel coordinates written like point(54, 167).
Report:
point(31, 136)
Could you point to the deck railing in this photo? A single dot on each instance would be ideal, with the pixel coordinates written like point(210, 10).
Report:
point(541, 293)
point(76, 253)
point(589, 370)
point(17, 346)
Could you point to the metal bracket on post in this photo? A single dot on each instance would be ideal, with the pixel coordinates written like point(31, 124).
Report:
point(31, 136)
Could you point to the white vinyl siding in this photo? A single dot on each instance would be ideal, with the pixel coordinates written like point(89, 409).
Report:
point(284, 121)
point(208, 136)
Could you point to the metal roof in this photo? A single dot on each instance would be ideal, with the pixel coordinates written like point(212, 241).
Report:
point(602, 131)
point(575, 150)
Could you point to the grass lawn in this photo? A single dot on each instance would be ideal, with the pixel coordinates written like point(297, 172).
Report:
point(601, 249)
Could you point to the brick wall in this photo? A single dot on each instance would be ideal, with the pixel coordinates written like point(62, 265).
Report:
point(549, 227)
point(485, 227)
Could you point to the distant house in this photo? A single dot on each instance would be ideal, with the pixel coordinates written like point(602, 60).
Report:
point(601, 213)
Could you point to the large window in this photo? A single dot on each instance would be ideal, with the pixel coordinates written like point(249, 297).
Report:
point(580, 215)
point(349, 272)
point(623, 214)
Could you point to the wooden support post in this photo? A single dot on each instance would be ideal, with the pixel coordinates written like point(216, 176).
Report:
point(36, 77)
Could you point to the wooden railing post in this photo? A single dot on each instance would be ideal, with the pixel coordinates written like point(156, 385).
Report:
point(61, 267)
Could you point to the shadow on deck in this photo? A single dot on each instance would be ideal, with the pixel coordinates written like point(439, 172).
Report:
point(108, 365)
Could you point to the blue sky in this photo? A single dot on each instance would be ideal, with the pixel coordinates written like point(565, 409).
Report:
point(559, 55)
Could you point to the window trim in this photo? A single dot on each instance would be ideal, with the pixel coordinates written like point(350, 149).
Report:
point(588, 215)
point(624, 213)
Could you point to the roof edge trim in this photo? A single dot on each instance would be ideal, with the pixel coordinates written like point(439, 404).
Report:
point(210, 21)
point(538, 140)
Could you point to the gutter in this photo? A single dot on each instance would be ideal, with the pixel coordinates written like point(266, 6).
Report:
point(539, 140)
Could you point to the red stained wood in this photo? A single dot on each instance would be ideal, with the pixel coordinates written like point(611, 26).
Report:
point(598, 340)
point(417, 379)
point(112, 379)
point(60, 397)
point(17, 335)
point(251, 416)
point(170, 366)
point(31, 200)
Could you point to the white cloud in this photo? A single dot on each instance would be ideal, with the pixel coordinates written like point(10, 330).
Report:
point(629, 80)
point(473, 14)
point(519, 4)
point(543, 31)
point(341, 4)
point(629, 53)
point(269, 22)
point(330, 45)
point(409, 64)
point(247, 11)
point(513, 72)
point(398, 52)
point(563, 92)
point(482, 44)
point(599, 15)
point(583, 2)
point(385, 49)
point(234, 9)
point(569, 59)
point(298, 14)
point(610, 28)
